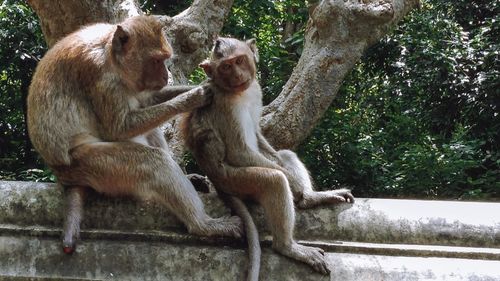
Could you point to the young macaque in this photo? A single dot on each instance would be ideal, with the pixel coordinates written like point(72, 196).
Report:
point(95, 105)
point(227, 143)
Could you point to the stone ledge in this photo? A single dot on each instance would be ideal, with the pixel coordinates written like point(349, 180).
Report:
point(182, 238)
point(32, 258)
point(374, 239)
point(471, 224)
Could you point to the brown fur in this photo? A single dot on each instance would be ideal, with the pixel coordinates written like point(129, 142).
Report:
point(94, 107)
point(227, 143)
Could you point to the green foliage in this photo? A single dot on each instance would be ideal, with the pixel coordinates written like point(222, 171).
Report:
point(21, 46)
point(419, 115)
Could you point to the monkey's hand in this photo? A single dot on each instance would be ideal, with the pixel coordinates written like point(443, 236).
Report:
point(188, 101)
point(344, 195)
point(199, 97)
point(167, 93)
point(200, 183)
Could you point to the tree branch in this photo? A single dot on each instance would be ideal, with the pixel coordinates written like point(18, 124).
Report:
point(337, 34)
point(192, 33)
point(58, 18)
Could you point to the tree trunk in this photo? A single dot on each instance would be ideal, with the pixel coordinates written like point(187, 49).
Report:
point(58, 18)
point(338, 32)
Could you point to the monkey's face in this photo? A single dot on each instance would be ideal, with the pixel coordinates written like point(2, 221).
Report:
point(232, 64)
point(141, 50)
point(235, 73)
point(154, 71)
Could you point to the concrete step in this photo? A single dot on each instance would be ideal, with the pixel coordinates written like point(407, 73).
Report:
point(122, 239)
point(37, 258)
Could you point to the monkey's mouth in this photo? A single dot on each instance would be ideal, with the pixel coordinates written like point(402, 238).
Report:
point(242, 85)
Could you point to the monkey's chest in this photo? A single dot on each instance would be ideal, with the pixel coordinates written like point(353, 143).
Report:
point(246, 119)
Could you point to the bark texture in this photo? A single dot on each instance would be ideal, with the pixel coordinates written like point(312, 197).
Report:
point(337, 34)
point(61, 17)
point(191, 32)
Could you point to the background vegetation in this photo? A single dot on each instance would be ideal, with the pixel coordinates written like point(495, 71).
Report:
point(417, 117)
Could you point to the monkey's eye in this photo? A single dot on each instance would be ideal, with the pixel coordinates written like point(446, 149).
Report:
point(239, 60)
point(225, 66)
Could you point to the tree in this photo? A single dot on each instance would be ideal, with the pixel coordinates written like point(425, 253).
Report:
point(418, 116)
point(337, 34)
point(21, 45)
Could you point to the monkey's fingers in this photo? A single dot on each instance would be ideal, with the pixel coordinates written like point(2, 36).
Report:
point(339, 198)
point(345, 194)
point(200, 183)
point(321, 266)
point(321, 251)
point(350, 198)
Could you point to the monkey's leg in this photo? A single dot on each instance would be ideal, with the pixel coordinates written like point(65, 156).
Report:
point(75, 196)
point(270, 188)
point(301, 184)
point(156, 139)
point(126, 168)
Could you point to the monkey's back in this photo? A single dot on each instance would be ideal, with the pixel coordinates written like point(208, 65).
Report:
point(58, 108)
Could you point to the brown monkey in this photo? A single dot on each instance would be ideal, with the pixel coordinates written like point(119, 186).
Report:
point(227, 143)
point(94, 107)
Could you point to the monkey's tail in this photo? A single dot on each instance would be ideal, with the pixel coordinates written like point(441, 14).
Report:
point(254, 252)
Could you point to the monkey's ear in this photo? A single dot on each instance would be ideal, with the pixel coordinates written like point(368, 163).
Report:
point(252, 44)
point(120, 39)
point(207, 68)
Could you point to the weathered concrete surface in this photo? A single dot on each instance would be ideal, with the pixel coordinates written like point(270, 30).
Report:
point(131, 260)
point(471, 224)
point(122, 239)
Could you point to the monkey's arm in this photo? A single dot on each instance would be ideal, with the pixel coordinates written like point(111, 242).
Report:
point(266, 148)
point(210, 152)
point(168, 93)
point(120, 122)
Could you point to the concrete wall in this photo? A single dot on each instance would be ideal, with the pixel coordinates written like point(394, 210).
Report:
point(374, 239)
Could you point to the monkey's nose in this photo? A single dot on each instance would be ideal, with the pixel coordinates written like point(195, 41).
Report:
point(239, 77)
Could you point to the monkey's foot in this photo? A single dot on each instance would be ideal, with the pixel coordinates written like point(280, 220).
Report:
point(313, 199)
point(225, 226)
point(315, 257)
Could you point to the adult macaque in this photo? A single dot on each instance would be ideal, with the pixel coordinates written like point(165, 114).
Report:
point(94, 107)
point(226, 141)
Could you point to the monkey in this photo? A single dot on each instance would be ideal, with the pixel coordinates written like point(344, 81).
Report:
point(226, 141)
point(95, 104)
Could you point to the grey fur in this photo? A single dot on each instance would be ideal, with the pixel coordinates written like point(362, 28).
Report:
point(227, 143)
point(94, 111)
